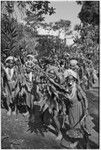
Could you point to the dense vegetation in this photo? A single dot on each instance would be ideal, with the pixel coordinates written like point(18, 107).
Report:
point(52, 53)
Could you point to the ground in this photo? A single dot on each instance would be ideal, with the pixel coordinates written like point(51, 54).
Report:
point(15, 134)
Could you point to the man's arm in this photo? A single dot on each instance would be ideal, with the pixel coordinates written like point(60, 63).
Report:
point(83, 96)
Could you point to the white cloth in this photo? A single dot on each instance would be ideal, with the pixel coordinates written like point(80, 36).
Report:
point(73, 62)
point(9, 72)
point(70, 72)
point(10, 58)
point(32, 58)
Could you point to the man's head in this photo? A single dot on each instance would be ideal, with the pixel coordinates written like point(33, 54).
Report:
point(70, 76)
point(30, 62)
point(10, 61)
point(74, 64)
point(31, 58)
point(70, 80)
point(29, 65)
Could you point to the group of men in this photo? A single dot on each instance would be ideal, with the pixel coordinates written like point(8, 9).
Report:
point(13, 71)
point(78, 110)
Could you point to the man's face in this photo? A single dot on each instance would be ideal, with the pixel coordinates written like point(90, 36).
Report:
point(52, 74)
point(43, 80)
point(74, 67)
point(28, 70)
point(70, 81)
point(9, 64)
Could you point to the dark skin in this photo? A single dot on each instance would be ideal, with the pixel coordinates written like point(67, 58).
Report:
point(69, 82)
point(10, 64)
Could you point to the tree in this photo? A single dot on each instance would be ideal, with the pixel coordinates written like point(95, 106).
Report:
point(32, 10)
point(63, 26)
point(88, 43)
point(89, 12)
point(9, 35)
point(48, 27)
point(50, 46)
point(88, 39)
point(16, 37)
point(26, 39)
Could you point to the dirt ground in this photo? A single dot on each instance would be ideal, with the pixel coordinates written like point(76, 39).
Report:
point(15, 134)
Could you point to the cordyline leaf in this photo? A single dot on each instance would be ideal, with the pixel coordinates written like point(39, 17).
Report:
point(5, 34)
point(17, 90)
point(45, 107)
point(42, 104)
point(82, 97)
point(29, 100)
point(59, 87)
point(5, 81)
point(54, 91)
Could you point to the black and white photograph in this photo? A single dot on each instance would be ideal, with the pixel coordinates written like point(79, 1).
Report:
point(50, 74)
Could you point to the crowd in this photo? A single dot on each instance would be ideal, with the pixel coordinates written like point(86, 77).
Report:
point(54, 88)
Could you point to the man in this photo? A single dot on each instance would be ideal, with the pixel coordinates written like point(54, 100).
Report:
point(11, 74)
point(78, 111)
point(31, 61)
point(74, 64)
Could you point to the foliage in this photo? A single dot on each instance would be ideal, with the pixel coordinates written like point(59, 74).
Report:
point(34, 10)
point(50, 46)
point(16, 39)
point(88, 44)
point(88, 40)
point(46, 91)
point(26, 40)
point(62, 25)
point(19, 39)
point(89, 12)
point(37, 10)
point(47, 88)
point(9, 35)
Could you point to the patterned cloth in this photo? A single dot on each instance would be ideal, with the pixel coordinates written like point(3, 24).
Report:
point(78, 123)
